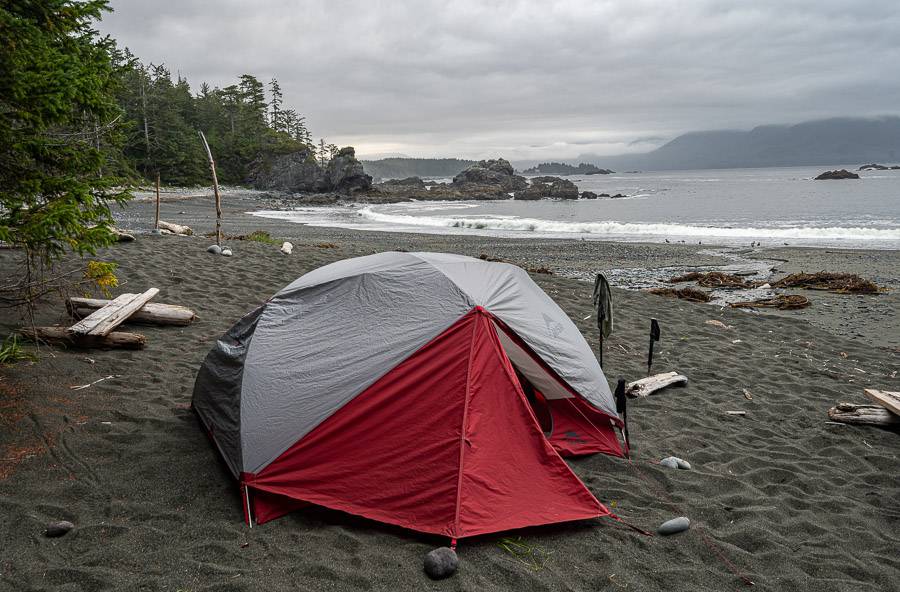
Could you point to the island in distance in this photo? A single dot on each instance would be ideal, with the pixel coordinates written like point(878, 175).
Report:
point(559, 168)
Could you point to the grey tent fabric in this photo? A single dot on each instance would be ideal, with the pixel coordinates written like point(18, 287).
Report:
point(217, 390)
point(333, 332)
point(330, 341)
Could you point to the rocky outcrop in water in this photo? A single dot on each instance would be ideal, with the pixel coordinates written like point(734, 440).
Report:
point(345, 174)
point(841, 174)
point(299, 172)
point(490, 176)
point(548, 187)
point(878, 167)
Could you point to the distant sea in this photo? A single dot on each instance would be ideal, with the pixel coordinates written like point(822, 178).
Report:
point(772, 206)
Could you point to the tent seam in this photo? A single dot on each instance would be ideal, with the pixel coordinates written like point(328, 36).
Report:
point(465, 424)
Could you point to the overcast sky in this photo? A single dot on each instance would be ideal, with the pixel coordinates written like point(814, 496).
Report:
point(532, 79)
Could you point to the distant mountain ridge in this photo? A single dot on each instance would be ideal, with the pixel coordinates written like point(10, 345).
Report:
point(843, 140)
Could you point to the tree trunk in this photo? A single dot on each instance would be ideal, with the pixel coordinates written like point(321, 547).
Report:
point(102, 321)
point(152, 313)
point(60, 335)
point(649, 385)
point(862, 414)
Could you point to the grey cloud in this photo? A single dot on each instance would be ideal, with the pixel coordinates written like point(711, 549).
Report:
point(532, 79)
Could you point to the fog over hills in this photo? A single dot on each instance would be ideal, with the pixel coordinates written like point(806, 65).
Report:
point(842, 140)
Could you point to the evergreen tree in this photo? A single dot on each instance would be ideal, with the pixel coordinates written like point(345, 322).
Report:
point(275, 121)
point(323, 152)
point(58, 111)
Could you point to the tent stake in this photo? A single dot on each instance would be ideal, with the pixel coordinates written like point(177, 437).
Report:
point(249, 514)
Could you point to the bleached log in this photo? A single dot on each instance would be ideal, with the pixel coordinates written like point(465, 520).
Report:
point(176, 228)
point(649, 385)
point(862, 414)
point(153, 313)
point(104, 320)
point(890, 400)
point(121, 235)
point(60, 335)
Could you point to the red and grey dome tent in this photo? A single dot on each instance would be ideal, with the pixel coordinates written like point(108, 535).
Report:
point(430, 391)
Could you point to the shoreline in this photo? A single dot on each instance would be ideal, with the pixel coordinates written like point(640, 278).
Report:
point(632, 265)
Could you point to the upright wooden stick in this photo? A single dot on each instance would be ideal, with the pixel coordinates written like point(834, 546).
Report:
point(157, 200)
point(212, 167)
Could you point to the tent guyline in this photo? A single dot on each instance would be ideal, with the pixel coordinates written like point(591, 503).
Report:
point(449, 415)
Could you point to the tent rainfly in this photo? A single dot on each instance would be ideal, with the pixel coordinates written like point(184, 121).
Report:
point(430, 391)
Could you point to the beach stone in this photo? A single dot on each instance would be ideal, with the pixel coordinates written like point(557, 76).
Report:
point(669, 462)
point(441, 563)
point(58, 529)
point(287, 248)
point(673, 526)
point(156, 231)
point(214, 249)
point(673, 462)
point(226, 252)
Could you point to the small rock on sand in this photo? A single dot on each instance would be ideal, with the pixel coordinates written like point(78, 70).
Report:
point(214, 249)
point(673, 462)
point(675, 525)
point(226, 252)
point(441, 563)
point(286, 248)
point(669, 462)
point(57, 529)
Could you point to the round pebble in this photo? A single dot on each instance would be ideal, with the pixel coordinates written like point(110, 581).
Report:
point(669, 462)
point(226, 252)
point(673, 526)
point(441, 563)
point(214, 249)
point(57, 529)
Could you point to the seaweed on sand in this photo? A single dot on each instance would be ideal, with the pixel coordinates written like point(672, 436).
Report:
point(713, 279)
point(842, 283)
point(688, 293)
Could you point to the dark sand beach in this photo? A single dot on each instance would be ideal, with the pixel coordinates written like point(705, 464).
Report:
point(778, 495)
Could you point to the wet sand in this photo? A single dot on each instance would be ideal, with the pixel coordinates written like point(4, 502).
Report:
point(789, 501)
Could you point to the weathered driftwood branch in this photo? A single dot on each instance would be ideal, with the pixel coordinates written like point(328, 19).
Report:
point(890, 400)
point(175, 228)
point(104, 320)
point(649, 385)
point(61, 335)
point(212, 168)
point(152, 313)
point(863, 414)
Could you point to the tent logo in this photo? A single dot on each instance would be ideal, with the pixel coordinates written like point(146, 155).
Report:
point(554, 329)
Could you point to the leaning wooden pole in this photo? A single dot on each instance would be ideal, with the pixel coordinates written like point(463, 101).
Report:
point(212, 167)
point(157, 201)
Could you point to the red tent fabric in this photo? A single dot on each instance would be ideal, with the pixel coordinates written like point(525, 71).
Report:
point(444, 443)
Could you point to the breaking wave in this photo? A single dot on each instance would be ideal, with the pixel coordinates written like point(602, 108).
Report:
point(608, 228)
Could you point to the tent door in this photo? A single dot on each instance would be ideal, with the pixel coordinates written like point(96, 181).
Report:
point(538, 404)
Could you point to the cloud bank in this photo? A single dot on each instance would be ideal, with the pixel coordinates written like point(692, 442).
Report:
point(528, 79)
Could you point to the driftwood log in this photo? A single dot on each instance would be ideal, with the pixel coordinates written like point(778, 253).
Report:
point(121, 235)
point(890, 400)
point(61, 335)
point(152, 313)
point(102, 321)
point(176, 228)
point(649, 385)
point(863, 414)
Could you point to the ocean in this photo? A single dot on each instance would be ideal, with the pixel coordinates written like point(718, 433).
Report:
point(770, 206)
